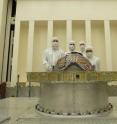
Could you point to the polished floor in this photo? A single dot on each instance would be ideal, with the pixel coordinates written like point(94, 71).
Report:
point(22, 111)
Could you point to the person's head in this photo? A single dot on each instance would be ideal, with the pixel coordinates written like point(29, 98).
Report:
point(55, 43)
point(89, 51)
point(82, 46)
point(72, 46)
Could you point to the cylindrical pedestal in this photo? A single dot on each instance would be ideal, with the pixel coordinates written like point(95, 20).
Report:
point(69, 98)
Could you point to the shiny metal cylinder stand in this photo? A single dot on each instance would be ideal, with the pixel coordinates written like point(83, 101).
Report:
point(74, 98)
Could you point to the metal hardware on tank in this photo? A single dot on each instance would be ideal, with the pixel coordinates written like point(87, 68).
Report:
point(94, 112)
point(73, 89)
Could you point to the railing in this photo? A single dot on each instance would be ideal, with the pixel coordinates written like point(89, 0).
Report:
point(72, 76)
point(20, 85)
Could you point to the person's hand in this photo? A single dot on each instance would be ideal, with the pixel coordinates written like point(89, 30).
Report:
point(49, 68)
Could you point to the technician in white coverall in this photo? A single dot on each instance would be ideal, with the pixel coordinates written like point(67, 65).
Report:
point(82, 46)
point(72, 47)
point(52, 54)
point(94, 60)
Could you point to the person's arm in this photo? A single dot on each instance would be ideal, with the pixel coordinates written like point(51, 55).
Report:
point(62, 53)
point(45, 61)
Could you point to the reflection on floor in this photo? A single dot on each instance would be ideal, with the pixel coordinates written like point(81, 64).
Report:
point(22, 111)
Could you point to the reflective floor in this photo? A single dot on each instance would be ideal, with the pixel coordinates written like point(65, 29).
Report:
point(22, 111)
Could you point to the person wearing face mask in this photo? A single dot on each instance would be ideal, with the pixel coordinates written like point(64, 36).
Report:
point(72, 47)
point(52, 55)
point(94, 60)
point(82, 46)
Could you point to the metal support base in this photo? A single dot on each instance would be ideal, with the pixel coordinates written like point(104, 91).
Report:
point(99, 112)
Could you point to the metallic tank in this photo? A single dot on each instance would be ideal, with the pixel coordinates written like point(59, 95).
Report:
point(73, 88)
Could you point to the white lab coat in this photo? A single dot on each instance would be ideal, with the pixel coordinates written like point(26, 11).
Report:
point(51, 57)
point(95, 61)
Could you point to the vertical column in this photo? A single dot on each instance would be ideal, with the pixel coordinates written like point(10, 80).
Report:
point(69, 31)
point(88, 31)
point(3, 16)
point(10, 54)
point(30, 46)
point(50, 32)
point(15, 54)
point(6, 42)
point(108, 45)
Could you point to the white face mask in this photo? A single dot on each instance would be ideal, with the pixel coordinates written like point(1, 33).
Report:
point(82, 48)
point(71, 47)
point(89, 54)
point(55, 45)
